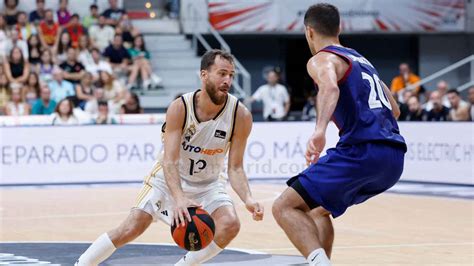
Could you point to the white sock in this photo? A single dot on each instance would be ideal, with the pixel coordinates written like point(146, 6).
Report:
point(100, 250)
point(318, 258)
point(201, 256)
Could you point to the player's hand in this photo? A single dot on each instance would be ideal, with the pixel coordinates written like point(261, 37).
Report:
point(315, 146)
point(181, 213)
point(255, 208)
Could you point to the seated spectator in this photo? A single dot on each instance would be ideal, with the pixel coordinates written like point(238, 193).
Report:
point(459, 108)
point(442, 87)
point(63, 15)
point(104, 117)
point(84, 90)
point(37, 15)
point(92, 18)
point(34, 50)
point(98, 65)
point(403, 105)
point(404, 79)
point(60, 88)
point(16, 67)
point(113, 90)
point(31, 90)
point(24, 29)
point(73, 70)
point(141, 64)
point(92, 105)
point(127, 30)
point(415, 111)
point(44, 105)
point(117, 55)
point(48, 29)
point(4, 92)
point(113, 13)
point(309, 109)
point(15, 42)
point(45, 68)
point(64, 115)
point(75, 30)
point(131, 105)
point(4, 38)
point(85, 56)
point(11, 12)
point(275, 97)
point(471, 101)
point(101, 35)
point(439, 112)
point(16, 106)
point(60, 48)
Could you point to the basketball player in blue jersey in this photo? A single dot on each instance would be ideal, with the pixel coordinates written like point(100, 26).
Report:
point(367, 160)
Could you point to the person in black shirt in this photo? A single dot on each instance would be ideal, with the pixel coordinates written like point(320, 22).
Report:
point(415, 111)
point(117, 55)
point(114, 13)
point(73, 70)
point(11, 12)
point(439, 111)
point(37, 15)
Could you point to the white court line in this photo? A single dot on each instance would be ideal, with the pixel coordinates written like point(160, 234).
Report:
point(385, 246)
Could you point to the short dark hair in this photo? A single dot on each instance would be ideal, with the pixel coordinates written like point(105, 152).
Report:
point(102, 103)
point(209, 58)
point(93, 6)
point(75, 15)
point(455, 91)
point(323, 18)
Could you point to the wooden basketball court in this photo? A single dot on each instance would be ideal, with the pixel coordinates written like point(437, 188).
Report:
point(391, 229)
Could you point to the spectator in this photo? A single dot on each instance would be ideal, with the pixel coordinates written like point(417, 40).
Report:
point(11, 13)
point(276, 101)
point(45, 105)
point(113, 13)
point(126, 29)
point(404, 79)
point(60, 88)
point(63, 15)
point(104, 117)
point(4, 92)
point(101, 35)
point(73, 70)
point(75, 30)
point(46, 66)
point(459, 108)
point(37, 15)
point(60, 48)
point(98, 65)
point(141, 63)
point(16, 67)
point(85, 56)
point(49, 29)
point(25, 29)
point(309, 109)
point(415, 111)
point(31, 90)
point(16, 107)
point(92, 18)
point(15, 42)
point(442, 87)
point(92, 105)
point(84, 90)
point(471, 101)
point(34, 50)
point(131, 105)
point(112, 88)
point(64, 115)
point(439, 112)
point(4, 39)
point(117, 56)
point(172, 7)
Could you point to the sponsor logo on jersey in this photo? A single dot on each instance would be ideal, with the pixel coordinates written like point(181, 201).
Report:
point(197, 149)
point(220, 134)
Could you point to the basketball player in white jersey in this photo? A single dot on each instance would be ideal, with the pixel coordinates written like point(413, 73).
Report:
point(201, 128)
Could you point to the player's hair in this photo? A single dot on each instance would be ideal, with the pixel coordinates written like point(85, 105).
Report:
point(323, 18)
point(209, 58)
point(455, 91)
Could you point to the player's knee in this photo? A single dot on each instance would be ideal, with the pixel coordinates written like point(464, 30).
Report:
point(277, 208)
point(231, 226)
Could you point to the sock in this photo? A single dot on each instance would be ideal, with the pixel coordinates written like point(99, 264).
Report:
point(201, 256)
point(318, 258)
point(100, 250)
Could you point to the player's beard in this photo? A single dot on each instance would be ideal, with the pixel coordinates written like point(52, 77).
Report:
point(212, 91)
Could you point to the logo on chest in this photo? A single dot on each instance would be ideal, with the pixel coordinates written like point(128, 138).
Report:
point(220, 134)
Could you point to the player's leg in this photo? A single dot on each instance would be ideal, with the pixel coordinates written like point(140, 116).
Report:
point(322, 219)
point(103, 247)
point(292, 214)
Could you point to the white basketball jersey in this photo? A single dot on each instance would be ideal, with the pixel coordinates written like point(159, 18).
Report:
point(204, 145)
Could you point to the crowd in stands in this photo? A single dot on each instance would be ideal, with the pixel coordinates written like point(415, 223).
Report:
point(53, 62)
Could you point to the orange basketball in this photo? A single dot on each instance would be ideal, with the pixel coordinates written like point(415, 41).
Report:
point(197, 234)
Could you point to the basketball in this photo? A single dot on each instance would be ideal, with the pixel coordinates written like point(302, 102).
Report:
point(196, 235)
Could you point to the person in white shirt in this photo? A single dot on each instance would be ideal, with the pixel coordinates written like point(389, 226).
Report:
point(14, 41)
point(101, 35)
point(97, 65)
point(275, 98)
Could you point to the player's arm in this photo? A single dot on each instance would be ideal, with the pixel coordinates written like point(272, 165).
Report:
point(238, 178)
point(323, 70)
point(393, 103)
point(172, 138)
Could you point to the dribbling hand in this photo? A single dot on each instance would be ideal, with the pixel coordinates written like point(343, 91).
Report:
point(181, 213)
point(315, 146)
